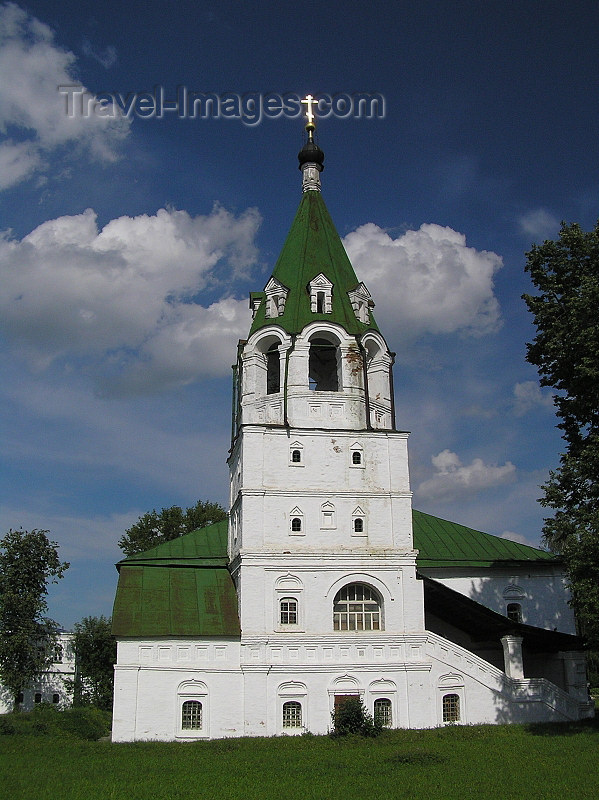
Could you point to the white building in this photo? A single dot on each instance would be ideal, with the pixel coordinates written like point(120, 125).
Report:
point(54, 685)
point(324, 582)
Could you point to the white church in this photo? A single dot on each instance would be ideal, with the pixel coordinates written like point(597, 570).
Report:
point(324, 583)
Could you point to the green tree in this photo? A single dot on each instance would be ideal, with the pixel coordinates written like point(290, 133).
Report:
point(95, 652)
point(155, 527)
point(566, 352)
point(350, 716)
point(28, 562)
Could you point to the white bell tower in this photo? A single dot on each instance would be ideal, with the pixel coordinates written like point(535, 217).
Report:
point(320, 496)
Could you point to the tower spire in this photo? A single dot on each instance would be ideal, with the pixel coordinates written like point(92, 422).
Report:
point(311, 157)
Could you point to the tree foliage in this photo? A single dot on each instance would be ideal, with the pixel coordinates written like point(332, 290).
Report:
point(350, 716)
point(28, 562)
point(95, 652)
point(566, 352)
point(156, 527)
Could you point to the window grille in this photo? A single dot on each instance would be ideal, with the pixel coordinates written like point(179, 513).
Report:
point(288, 607)
point(357, 607)
point(451, 708)
point(296, 456)
point(358, 525)
point(191, 717)
point(296, 524)
point(292, 714)
point(382, 711)
point(356, 457)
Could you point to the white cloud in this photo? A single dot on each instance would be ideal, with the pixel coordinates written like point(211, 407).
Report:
point(539, 224)
point(426, 281)
point(18, 161)
point(454, 479)
point(528, 395)
point(125, 297)
point(33, 66)
point(515, 537)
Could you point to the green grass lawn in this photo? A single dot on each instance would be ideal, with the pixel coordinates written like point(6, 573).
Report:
point(542, 761)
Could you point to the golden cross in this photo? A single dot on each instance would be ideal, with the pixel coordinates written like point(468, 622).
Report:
point(309, 100)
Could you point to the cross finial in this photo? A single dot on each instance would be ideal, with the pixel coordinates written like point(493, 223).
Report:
point(309, 102)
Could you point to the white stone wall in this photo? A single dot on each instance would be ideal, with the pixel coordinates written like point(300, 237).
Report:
point(242, 687)
point(268, 490)
point(541, 592)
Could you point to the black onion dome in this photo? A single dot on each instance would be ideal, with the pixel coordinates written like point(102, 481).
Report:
point(311, 154)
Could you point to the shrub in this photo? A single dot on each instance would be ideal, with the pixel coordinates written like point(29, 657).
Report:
point(350, 716)
point(45, 720)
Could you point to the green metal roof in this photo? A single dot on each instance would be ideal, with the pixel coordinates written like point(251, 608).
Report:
point(179, 588)
point(175, 601)
point(208, 543)
point(442, 544)
point(313, 246)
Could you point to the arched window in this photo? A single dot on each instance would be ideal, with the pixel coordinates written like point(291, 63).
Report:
point(292, 714)
point(356, 457)
point(191, 715)
point(323, 372)
point(288, 611)
point(273, 369)
point(296, 456)
point(451, 708)
point(357, 607)
point(514, 612)
point(382, 712)
point(296, 524)
point(358, 525)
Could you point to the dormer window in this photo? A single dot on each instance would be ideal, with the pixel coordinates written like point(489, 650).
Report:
point(321, 295)
point(361, 302)
point(276, 297)
point(255, 300)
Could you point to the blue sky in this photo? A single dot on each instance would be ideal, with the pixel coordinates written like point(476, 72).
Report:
point(130, 244)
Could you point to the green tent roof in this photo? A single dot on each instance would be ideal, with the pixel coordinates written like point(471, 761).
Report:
point(313, 246)
point(441, 544)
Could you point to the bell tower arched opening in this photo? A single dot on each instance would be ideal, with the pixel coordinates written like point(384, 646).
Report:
point(323, 366)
